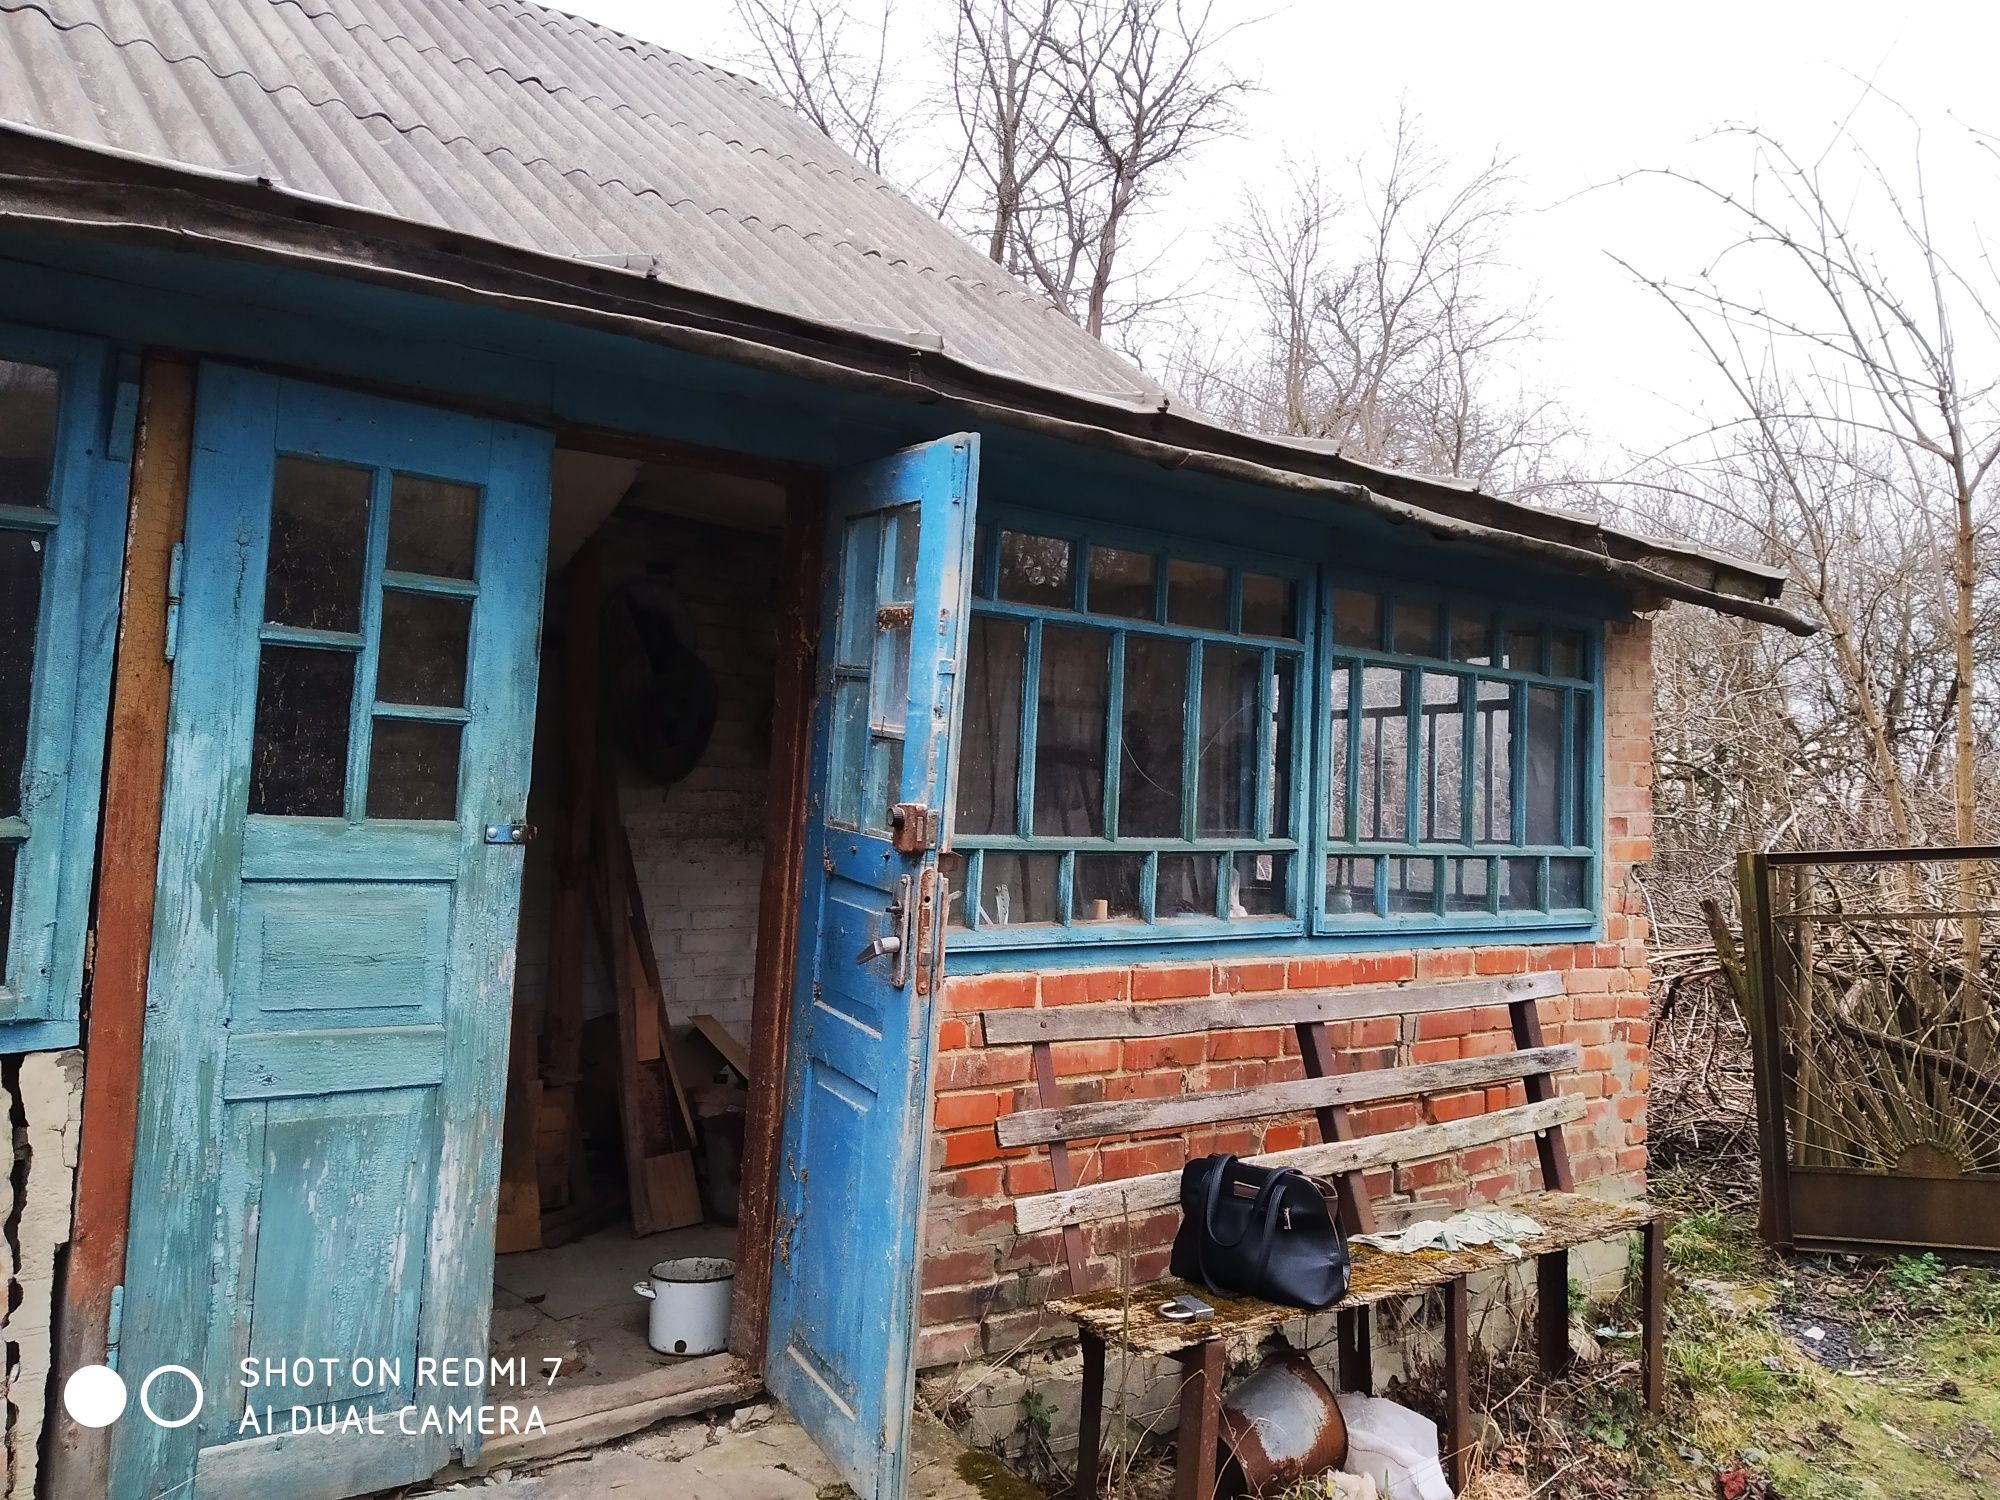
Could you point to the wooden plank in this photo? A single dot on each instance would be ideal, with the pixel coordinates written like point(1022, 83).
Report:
point(1087, 1023)
point(1076, 1249)
point(1104, 1200)
point(778, 909)
point(723, 1040)
point(1357, 1213)
point(135, 772)
point(1033, 1127)
point(1549, 1145)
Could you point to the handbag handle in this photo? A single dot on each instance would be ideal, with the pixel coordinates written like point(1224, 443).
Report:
point(1270, 1199)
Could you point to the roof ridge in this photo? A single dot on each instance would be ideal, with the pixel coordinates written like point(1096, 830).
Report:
point(1000, 289)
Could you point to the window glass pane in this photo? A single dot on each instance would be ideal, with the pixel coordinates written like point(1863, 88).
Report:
point(20, 609)
point(1069, 731)
point(902, 528)
point(845, 776)
point(1544, 754)
point(1018, 889)
point(1262, 885)
point(1149, 771)
point(883, 787)
point(424, 638)
point(1581, 831)
point(1521, 884)
point(1184, 887)
point(1226, 803)
point(951, 869)
point(1121, 583)
point(319, 538)
point(1472, 637)
point(1412, 885)
point(29, 401)
point(1493, 765)
point(1035, 570)
point(433, 524)
point(1105, 887)
point(8, 855)
point(1337, 827)
point(1524, 650)
point(989, 764)
point(1566, 653)
point(860, 564)
point(1416, 632)
point(1350, 886)
point(1441, 764)
point(298, 750)
point(1197, 594)
point(1270, 606)
point(413, 770)
point(1357, 619)
point(1284, 676)
point(889, 676)
point(982, 561)
point(1383, 749)
point(1566, 883)
point(1467, 883)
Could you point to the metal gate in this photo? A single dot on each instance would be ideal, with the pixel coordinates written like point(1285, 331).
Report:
point(1873, 980)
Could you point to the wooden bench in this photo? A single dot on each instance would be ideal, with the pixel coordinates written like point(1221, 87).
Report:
point(1127, 1317)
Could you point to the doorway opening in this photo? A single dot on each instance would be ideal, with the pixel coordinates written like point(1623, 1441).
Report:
point(638, 1045)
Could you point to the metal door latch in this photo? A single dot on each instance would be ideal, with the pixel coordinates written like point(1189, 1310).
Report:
point(510, 833)
point(896, 943)
point(915, 827)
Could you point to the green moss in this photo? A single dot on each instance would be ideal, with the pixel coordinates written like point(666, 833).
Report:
point(992, 1478)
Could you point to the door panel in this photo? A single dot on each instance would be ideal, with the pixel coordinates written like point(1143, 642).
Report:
point(852, 1180)
point(333, 956)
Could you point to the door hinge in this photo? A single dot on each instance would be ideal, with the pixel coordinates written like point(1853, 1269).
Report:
point(916, 827)
point(114, 1326)
point(175, 561)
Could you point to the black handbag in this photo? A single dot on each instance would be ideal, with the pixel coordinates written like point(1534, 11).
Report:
point(1269, 1232)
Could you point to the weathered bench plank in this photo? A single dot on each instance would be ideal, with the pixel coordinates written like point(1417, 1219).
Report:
point(1032, 1127)
point(1100, 1023)
point(1104, 1200)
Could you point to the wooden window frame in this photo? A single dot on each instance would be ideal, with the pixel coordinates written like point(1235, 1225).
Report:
point(1289, 840)
point(1579, 779)
point(82, 522)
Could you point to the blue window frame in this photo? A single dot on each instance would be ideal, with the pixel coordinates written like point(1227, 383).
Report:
point(61, 514)
point(1459, 754)
point(1134, 720)
point(1291, 750)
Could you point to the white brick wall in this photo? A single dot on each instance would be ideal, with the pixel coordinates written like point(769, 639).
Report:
point(698, 844)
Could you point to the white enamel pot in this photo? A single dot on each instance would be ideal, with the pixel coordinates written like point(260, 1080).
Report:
point(690, 1311)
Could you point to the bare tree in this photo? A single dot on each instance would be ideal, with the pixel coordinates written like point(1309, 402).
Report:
point(829, 66)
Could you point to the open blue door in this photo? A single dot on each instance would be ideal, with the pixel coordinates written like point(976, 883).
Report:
point(333, 944)
point(851, 1182)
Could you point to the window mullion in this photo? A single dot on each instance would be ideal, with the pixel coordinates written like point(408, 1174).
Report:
point(1114, 731)
point(1566, 774)
point(1031, 705)
point(361, 720)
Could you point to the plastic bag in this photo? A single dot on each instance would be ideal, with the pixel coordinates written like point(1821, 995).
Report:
point(1396, 1447)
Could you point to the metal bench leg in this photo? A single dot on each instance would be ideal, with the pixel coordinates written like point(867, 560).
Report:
point(1201, 1405)
point(1090, 1427)
point(1552, 1310)
point(1357, 1356)
point(1653, 1316)
point(1458, 1434)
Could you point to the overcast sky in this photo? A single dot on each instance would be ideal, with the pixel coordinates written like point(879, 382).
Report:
point(1576, 94)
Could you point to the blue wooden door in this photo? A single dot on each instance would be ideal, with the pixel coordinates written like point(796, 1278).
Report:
point(852, 1179)
point(332, 965)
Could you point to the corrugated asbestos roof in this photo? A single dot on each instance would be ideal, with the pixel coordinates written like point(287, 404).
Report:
point(541, 131)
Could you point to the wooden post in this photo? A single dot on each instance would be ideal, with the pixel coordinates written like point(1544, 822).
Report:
point(1076, 1249)
point(1201, 1409)
point(1549, 1144)
point(1090, 1424)
point(127, 873)
point(1458, 1435)
point(778, 913)
point(1653, 1315)
point(1552, 1311)
point(1356, 1350)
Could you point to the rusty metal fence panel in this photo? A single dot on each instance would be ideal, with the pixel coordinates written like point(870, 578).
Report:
point(1873, 980)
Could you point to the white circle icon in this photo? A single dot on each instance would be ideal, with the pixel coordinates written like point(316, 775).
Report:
point(94, 1396)
point(146, 1395)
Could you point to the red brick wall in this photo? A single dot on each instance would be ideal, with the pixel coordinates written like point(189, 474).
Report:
point(983, 1283)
